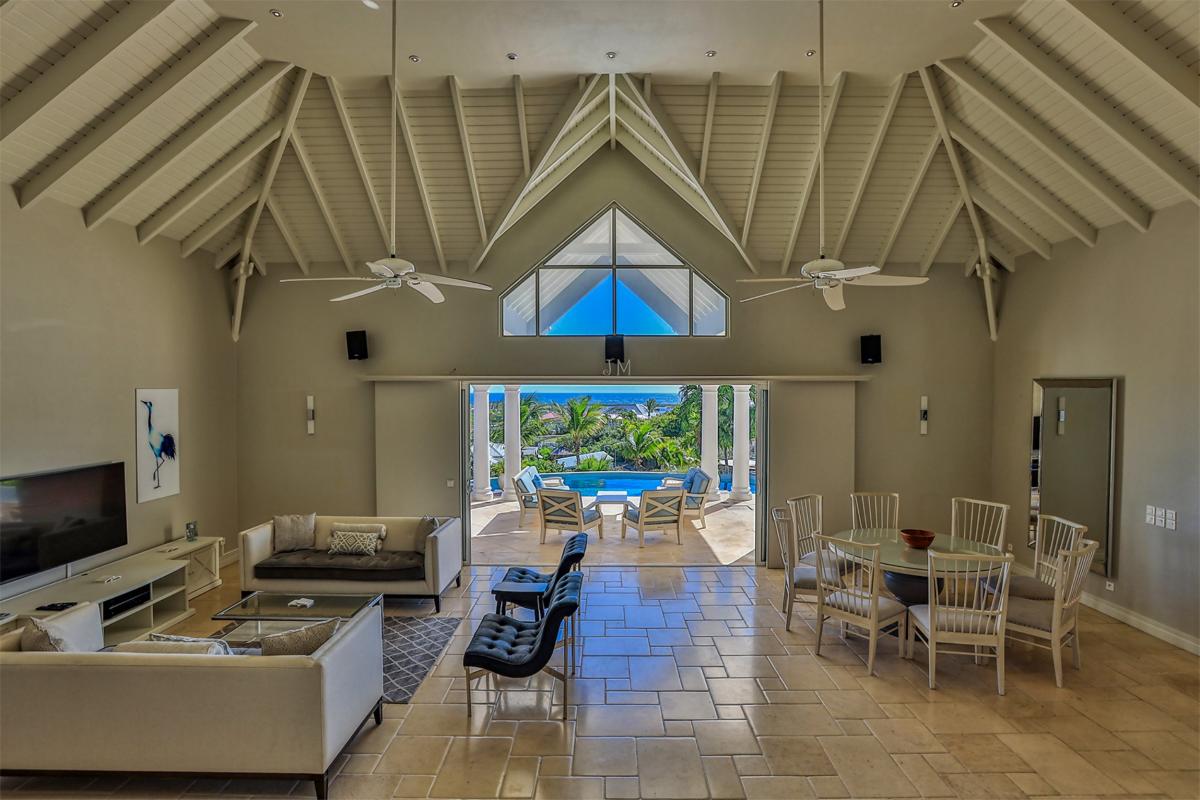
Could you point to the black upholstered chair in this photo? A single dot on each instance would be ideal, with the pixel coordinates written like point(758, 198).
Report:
point(517, 648)
point(572, 553)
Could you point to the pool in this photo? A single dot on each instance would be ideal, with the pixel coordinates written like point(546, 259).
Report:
point(588, 483)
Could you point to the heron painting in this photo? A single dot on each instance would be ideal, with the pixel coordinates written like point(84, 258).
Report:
point(156, 439)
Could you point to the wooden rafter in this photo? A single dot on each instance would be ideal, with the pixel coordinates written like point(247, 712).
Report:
point(710, 110)
point(940, 239)
point(1036, 132)
point(464, 136)
point(102, 207)
point(1001, 256)
point(78, 62)
point(227, 33)
point(310, 175)
point(988, 155)
point(987, 274)
point(1078, 94)
point(929, 80)
point(1006, 218)
point(218, 222)
point(522, 124)
point(910, 197)
point(810, 178)
point(285, 230)
point(760, 160)
point(1154, 60)
point(414, 160)
point(223, 256)
point(339, 105)
point(198, 189)
point(864, 178)
point(612, 111)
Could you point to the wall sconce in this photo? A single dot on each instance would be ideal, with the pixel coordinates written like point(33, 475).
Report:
point(1062, 414)
point(924, 415)
point(311, 414)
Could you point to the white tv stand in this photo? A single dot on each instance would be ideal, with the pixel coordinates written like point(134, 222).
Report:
point(174, 572)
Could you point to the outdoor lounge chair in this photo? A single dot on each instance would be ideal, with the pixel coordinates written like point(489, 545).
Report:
point(695, 484)
point(526, 484)
point(659, 509)
point(563, 510)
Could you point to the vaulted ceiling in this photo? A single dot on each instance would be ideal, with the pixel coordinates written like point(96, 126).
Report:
point(994, 137)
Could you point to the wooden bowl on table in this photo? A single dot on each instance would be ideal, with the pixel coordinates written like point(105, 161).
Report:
point(916, 538)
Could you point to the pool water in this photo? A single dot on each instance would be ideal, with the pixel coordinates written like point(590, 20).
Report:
point(632, 483)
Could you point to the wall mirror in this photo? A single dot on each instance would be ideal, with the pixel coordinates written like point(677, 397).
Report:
point(1072, 464)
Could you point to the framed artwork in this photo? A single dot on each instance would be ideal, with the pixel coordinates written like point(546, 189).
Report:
point(156, 443)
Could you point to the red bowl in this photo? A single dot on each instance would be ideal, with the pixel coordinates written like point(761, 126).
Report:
point(916, 538)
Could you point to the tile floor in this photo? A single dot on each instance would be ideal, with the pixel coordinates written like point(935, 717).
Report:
point(691, 687)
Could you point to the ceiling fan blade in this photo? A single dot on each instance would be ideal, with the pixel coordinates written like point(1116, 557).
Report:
point(772, 280)
point(777, 291)
point(433, 293)
point(852, 272)
point(833, 297)
point(359, 293)
point(303, 280)
point(447, 281)
point(888, 280)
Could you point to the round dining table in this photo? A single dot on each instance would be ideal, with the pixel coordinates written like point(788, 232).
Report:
point(906, 569)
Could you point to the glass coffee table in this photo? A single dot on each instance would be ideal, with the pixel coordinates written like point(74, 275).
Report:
point(264, 613)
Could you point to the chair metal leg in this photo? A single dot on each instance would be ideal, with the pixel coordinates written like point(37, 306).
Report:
point(467, 670)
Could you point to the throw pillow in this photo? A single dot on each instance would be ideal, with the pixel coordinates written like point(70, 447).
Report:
point(376, 528)
point(199, 647)
point(426, 526)
point(38, 637)
point(300, 642)
point(352, 543)
point(294, 532)
point(221, 644)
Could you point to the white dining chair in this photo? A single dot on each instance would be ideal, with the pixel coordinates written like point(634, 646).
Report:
point(854, 599)
point(1054, 535)
point(800, 579)
point(978, 521)
point(1054, 623)
point(658, 509)
point(874, 510)
point(563, 510)
point(960, 612)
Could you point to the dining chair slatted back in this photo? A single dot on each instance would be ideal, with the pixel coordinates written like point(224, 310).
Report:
point(874, 510)
point(1072, 568)
point(806, 518)
point(979, 521)
point(781, 519)
point(1054, 535)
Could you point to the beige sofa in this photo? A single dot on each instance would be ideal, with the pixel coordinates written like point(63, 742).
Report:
point(436, 560)
point(171, 714)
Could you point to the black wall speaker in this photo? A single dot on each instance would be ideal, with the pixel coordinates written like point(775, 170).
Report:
point(871, 348)
point(356, 345)
point(614, 348)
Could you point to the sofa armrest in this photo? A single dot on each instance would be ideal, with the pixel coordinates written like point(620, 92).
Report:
point(351, 678)
point(443, 554)
point(255, 546)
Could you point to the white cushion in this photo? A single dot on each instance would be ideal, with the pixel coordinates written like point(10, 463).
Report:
point(804, 576)
point(853, 604)
point(1028, 613)
point(1027, 586)
point(76, 630)
point(192, 648)
point(954, 620)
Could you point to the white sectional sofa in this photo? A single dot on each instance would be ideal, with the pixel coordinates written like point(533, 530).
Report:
point(173, 714)
point(413, 561)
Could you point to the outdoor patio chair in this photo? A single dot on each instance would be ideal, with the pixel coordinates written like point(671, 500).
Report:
point(526, 484)
point(659, 509)
point(572, 554)
point(563, 510)
point(514, 648)
point(695, 484)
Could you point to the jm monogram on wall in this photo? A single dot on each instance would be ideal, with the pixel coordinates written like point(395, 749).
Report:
point(614, 367)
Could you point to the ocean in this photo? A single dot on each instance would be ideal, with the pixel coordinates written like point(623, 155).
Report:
point(601, 398)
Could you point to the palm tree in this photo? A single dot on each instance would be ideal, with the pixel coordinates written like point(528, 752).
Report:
point(581, 419)
point(641, 441)
point(532, 424)
point(651, 406)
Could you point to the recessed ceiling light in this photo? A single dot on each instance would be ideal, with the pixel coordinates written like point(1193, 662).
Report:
point(710, 53)
point(275, 12)
point(956, 3)
point(371, 4)
point(611, 54)
point(416, 59)
point(511, 56)
point(810, 53)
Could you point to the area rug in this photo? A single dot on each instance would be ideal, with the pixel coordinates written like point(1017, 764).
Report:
point(411, 646)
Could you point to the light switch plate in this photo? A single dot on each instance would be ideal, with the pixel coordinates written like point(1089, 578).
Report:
point(1109, 586)
point(1170, 519)
point(1160, 517)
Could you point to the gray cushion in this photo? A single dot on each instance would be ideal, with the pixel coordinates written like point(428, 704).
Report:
point(385, 565)
point(842, 565)
point(1025, 586)
point(529, 500)
point(804, 576)
point(294, 532)
point(1031, 613)
point(591, 514)
point(221, 644)
point(300, 642)
point(427, 526)
point(353, 543)
point(953, 620)
point(693, 502)
point(847, 602)
point(196, 648)
point(525, 484)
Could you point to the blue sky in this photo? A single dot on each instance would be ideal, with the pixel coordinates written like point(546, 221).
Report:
point(592, 314)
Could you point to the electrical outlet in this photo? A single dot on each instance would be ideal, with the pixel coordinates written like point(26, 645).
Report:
point(450, 484)
point(1109, 586)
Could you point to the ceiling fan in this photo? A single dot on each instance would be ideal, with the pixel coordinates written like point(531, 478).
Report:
point(828, 275)
point(392, 272)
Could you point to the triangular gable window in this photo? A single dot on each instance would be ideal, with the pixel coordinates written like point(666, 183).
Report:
point(614, 276)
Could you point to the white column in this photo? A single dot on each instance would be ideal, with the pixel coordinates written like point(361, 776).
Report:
point(740, 490)
point(481, 446)
point(708, 435)
point(512, 438)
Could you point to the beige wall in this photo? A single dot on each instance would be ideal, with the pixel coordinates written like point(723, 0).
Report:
point(1126, 308)
point(87, 317)
point(421, 418)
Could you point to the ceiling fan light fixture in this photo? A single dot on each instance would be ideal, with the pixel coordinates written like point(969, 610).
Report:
point(955, 3)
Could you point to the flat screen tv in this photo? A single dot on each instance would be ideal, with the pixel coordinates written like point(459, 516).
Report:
point(53, 518)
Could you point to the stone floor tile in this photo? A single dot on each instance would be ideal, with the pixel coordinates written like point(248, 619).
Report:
point(564, 788)
point(776, 788)
point(1062, 767)
point(687, 705)
point(866, 768)
point(414, 754)
point(621, 789)
point(725, 737)
point(474, 767)
point(543, 738)
point(604, 756)
point(796, 720)
point(620, 721)
point(795, 755)
point(922, 776)
point(722, 778)
point(670, 768)
point(520, 776)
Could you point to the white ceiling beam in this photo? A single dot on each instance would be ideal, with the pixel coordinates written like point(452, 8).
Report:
point(522, 123)
point(233, 248)
point(1047, 141)
point(198, 189)
point(285, 230)
point(1083, 98)
point(464, 136)
point(339, 105)
point(1001, 256)
point(410, 146)
point(940, 239)
point(909, 198)
point(760, 159)
point(971, 266)
point(244, 271)
point(1155, 60)
point(929, 80)
point(647, 86)
point(989, 298)
point(860, 190)
point(1027, 186)
point(810, 178)
point(310, 175)
point(227, 33)
point(612, 111)
point(710, 110)
point(216, 223)
point(69, 70)
point(1001, 214)
point(102, 207)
